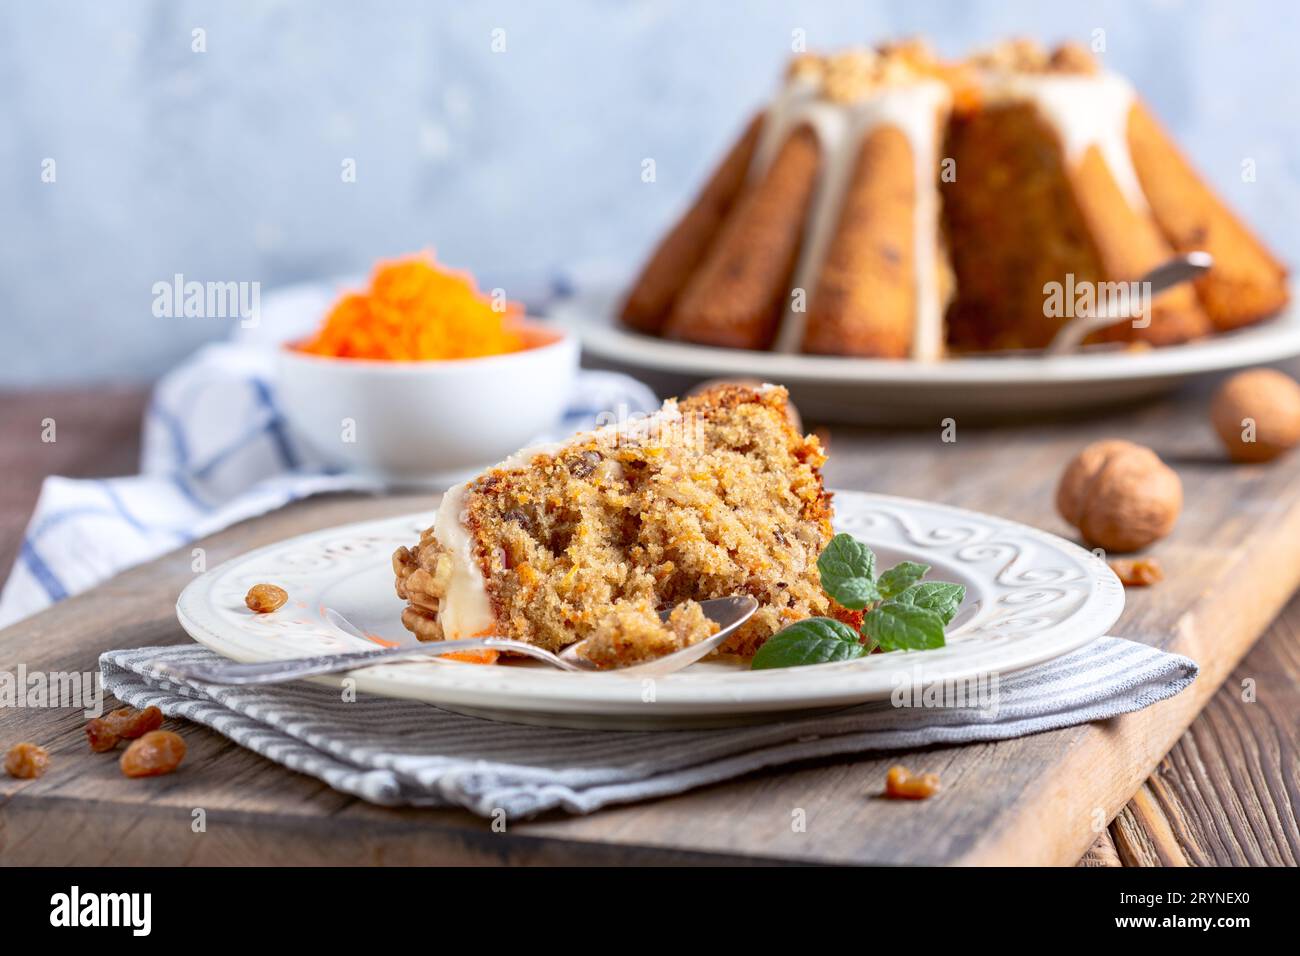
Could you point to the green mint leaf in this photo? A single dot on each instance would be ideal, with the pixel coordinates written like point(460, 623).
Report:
point(816, 640)
point(848, 572)
point(938, 596)
point(898, 579)
point(898, 626)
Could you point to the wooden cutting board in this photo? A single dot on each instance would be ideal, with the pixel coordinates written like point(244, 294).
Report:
point(1231, 564)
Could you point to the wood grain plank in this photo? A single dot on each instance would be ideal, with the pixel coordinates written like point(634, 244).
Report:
point(1231, 565)
point(1102, 853)
point(1228, 794)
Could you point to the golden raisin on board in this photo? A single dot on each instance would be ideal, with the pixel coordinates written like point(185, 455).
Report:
point(125, 722)
point(902, 784)
point(265, 598)
point(131, 723)
point(26, 761)
point(101, 735)
point(1138, 572)
point(156, 753)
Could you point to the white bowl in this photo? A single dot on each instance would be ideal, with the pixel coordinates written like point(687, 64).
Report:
point(415, 423)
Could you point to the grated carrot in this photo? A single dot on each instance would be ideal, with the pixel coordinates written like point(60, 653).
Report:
point(487, 656)
point(414, 311)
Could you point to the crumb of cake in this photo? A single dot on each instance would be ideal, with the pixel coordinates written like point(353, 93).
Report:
point(634, 633)
point(26, 761)
point(725, 498)
point(1138, 572)
point(791, 412)
point(902, 784)
point(265, 598)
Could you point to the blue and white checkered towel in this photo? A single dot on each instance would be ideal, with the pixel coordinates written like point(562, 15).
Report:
point(216, 451)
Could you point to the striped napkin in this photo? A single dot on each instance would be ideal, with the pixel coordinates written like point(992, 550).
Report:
point(397, 752)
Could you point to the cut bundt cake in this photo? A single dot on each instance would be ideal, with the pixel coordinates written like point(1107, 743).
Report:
point(592, 538)
point(889, 204)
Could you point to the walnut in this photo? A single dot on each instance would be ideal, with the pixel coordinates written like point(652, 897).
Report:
point(1071, 57)
point(806, 66)
point(1257, 414)
point(1119, 495)
point(850, 75)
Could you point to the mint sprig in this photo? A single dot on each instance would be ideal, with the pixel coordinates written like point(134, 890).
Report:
point(901, 577)
point(938, 596)
point(896, 626)
point(902, 611)
point(848, 572)
point(816, 640)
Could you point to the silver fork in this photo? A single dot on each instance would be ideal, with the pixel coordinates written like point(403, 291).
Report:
point(729, 613)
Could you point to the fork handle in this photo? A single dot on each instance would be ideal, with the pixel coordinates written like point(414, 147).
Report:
point(275, 672)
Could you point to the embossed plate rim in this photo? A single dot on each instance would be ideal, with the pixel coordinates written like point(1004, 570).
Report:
point(1036, 561)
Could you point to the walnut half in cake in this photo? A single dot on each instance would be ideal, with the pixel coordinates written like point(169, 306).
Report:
point(715, 496)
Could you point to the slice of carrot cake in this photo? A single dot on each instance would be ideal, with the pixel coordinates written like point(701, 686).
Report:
point(591, 538)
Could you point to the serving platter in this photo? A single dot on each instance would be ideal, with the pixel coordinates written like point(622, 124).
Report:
point(884, 391)
point(1030, 596)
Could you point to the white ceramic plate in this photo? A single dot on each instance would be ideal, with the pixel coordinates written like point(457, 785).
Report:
point(1030, 596)
point(880, 391)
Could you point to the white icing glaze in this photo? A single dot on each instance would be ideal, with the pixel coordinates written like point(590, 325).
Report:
point(466, 610)
point(915, 109)
point(1085, 110)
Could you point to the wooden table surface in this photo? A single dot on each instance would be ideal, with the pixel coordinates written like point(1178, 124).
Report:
point(1227, 793)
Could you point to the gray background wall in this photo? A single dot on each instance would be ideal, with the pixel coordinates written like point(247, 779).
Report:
point(225, 165)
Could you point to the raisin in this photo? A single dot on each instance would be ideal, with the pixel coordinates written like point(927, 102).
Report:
point(902, 784)
point(1138, 572)
point(264, 598)
point(104, 733)
point(131, 723)
point(156, 753)
point(518, 517)
point(101, 735)
point(26, 761)
point(585, 464)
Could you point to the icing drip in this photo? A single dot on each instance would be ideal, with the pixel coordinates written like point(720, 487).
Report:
point(1085, 111)
point(915, 109)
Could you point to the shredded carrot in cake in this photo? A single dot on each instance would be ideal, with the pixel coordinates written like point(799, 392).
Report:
point(488, 656)
point(414, 311)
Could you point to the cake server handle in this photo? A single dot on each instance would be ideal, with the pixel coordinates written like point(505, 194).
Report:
point(1168, 274)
